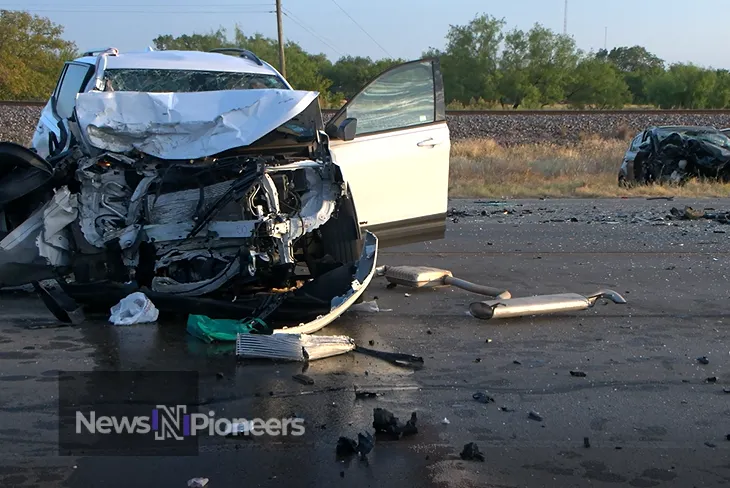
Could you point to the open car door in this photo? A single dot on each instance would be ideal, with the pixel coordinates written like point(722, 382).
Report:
point(392, 143)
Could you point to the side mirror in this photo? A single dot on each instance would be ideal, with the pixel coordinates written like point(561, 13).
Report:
point(345, 131)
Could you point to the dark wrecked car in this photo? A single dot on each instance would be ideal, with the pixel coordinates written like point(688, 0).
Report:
point(207, 182)
point(675, 154)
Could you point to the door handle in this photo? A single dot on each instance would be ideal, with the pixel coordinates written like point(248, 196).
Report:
point(430, 142)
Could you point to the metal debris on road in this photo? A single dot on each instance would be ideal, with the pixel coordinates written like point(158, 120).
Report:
point(427, 277)
point(197, 482)
point(359, 395)
point(445, 421)
point(370, 306)
point(483, 397)
point(534, 416)
point(305, 347)
point(540, 304)
point(471, 452)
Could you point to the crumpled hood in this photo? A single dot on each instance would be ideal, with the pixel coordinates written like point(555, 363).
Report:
point(185, 125)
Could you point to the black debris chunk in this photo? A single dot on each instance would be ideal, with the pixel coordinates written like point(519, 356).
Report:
point(534, 416)
point(390, 286)
point(471, 453)
point(586, 442)
point(342, 474)
point(346, 446)
point(516, 362)
point(303, 379)
point(219, 375)
point(360, 395)
point(710, 444)
point(385, 422)
point(711, 379)
point(703, 360)
point(371, 342)
point(483, 397)
point(365, 444)
point(727, 437)
point(478, 360)
point(507, 409)
point(429, 332)
point(579, 374)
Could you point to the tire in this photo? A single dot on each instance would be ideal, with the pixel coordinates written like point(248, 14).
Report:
point(340, 235)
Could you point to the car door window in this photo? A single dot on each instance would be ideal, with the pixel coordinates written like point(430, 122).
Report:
point(74, 78)
point(636, 143)
point(401, 97)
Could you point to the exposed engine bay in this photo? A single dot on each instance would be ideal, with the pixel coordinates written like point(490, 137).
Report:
point(191, 228)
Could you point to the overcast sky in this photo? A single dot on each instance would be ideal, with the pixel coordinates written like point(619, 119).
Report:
point(675, 30)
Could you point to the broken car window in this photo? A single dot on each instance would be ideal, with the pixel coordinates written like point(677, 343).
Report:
point(71, 85)
point(400, 98)
point(176, 80)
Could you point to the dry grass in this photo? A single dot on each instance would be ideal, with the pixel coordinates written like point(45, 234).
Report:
point(483, 168)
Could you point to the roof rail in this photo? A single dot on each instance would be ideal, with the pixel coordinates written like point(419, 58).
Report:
point(96, 52)
point(244, 53)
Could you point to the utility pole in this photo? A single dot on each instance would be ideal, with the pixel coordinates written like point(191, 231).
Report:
point(565, 19)
point(280, 27)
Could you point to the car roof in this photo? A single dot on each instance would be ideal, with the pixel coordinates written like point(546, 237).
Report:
point(688, 127)
point(183, 60)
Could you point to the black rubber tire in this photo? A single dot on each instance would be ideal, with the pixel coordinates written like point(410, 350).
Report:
point(341, 235)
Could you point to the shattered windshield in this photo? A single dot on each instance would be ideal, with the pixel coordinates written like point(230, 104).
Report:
point(176, 80)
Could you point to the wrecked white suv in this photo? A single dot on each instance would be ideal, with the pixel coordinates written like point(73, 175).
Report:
point(206, 181)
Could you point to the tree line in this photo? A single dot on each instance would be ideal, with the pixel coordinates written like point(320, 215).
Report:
point(484, 66)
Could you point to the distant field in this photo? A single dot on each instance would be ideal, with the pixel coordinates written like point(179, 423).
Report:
point(588, 169)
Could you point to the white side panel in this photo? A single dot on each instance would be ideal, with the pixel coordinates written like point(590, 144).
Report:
point(46, 124)
point(397, 175)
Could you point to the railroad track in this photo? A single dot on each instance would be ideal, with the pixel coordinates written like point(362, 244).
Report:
point(457, 113)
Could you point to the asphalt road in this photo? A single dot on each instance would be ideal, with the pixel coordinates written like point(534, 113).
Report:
point(649, 414)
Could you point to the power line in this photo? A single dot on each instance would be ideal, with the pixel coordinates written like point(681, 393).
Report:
point(161, 5)
point(362, 28)
point(301, 24)
point(147, 11)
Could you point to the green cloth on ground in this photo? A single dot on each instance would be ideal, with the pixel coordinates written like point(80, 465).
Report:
point(210, 330)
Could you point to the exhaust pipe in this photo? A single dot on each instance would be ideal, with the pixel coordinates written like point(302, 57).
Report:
point(426, 277)
point(540, 305)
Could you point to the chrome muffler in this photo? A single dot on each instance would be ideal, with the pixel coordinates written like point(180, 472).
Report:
point(540, 304)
